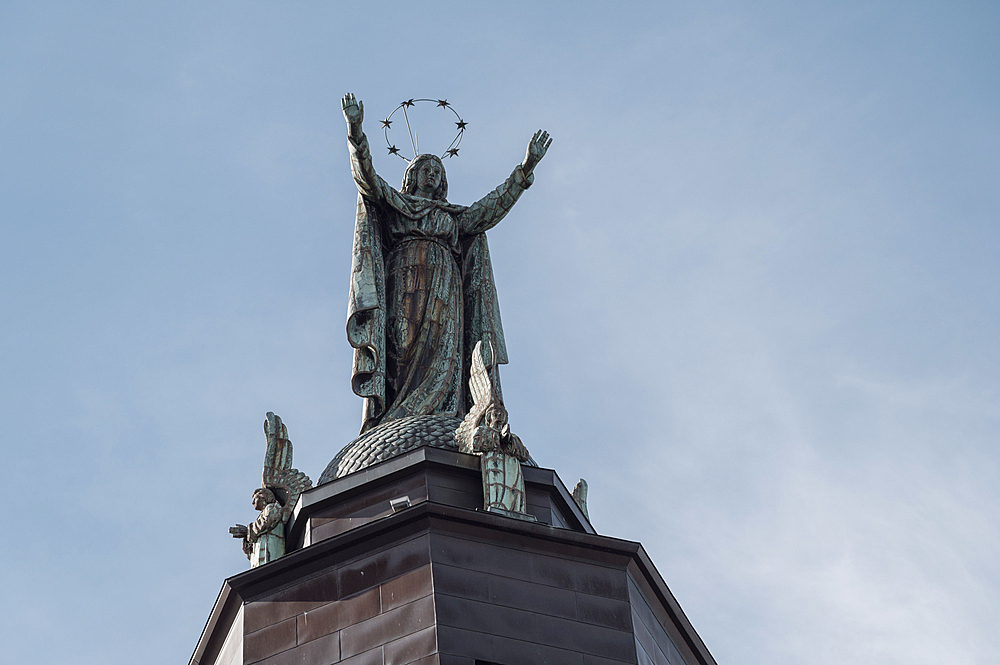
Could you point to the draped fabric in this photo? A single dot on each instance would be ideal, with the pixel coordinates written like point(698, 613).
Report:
point(267, 533)
point(422, 294)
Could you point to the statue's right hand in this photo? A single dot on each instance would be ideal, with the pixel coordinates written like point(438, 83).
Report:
point(354, 111)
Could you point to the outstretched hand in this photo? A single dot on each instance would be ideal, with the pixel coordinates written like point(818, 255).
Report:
point(539, 143)
point(354, 111)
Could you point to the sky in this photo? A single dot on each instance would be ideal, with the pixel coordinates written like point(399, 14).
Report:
point(753, 297)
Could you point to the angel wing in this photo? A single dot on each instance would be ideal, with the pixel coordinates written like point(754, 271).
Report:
point(483, 393)
point(480, 381)
point(279, 476)
point(580, 496)
point(293, 483)
point(278, 456)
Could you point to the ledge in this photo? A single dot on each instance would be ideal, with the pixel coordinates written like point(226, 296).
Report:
point(372, 478)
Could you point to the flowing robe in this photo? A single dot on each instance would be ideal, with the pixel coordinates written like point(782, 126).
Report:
point(422, 294)
point(266, 536)
point(501, 454)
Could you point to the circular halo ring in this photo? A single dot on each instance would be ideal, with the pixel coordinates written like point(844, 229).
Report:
point(451, 151)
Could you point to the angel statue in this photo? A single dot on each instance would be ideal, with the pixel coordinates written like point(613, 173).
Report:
point(422, 290)
point(485, 432)
point(280, 487)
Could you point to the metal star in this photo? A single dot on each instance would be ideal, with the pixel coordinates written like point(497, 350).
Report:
point(386, 123)
point(461, 124)
point(452, 153)
point(442, 103)
point(408, 102)
point(393, 150)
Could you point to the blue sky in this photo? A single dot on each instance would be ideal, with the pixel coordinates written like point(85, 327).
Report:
point(752, 297)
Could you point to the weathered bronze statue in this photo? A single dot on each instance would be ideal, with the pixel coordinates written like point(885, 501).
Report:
point(485, 432)
point(424, 323)
point(280, 487)
point(422, 290)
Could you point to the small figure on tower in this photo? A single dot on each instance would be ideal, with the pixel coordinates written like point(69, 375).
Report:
point(281, 485)
point(486, 433)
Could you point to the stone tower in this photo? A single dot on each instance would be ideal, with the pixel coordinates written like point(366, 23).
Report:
point(394, 562)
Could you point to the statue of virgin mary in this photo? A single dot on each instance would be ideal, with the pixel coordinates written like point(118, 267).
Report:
point(422, 290)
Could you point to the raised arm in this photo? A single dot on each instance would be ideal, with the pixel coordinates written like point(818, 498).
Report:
point(487, 212)
point(368, 182)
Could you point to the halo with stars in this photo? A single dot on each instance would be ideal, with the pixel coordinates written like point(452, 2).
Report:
point(451, 151)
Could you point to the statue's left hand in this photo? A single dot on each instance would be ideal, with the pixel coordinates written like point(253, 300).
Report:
point(537, 147)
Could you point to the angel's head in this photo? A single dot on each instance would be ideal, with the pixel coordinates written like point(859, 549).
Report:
point(495, 416)
point(261, 497)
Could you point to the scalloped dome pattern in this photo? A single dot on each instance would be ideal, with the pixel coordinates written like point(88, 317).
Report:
point(390, 439)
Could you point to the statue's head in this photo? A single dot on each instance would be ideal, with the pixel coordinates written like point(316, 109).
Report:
point(495, 416)
point(261, 497)
point(426, 169)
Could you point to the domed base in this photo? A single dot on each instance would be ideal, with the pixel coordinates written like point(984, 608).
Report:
point(390, 439)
